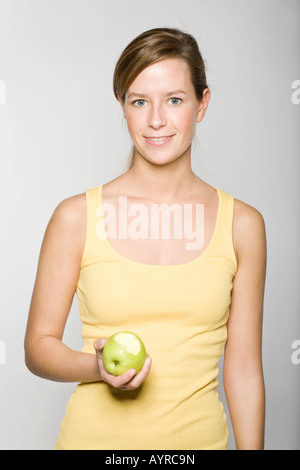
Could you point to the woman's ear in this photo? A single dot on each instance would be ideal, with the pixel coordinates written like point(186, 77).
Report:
point(122, 105)
point(203, 104)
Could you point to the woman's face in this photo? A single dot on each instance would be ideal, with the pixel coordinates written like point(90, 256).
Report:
point(162, 110)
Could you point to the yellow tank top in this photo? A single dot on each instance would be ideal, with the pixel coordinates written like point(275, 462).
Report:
point(180, 312)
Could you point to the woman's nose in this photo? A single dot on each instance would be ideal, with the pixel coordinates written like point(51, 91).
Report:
point(157, 117)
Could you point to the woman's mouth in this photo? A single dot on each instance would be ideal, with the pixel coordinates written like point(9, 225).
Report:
point(158, 141)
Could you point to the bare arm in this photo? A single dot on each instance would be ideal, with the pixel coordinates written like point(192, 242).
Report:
point(243, 370)
point(56, 280)
point(54, 289)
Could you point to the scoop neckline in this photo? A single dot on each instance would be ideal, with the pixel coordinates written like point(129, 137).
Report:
point(165, 266)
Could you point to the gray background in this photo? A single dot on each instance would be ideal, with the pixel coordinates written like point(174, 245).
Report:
point(62, 131)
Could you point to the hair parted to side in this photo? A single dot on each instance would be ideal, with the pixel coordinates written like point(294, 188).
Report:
point(153, 46)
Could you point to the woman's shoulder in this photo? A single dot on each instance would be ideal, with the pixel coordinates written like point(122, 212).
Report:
point(248, 228)
point(246, 216)
point(68, 222)
point(66, 230)
point(71, 210)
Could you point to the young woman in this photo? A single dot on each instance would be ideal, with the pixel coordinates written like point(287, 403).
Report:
point(185, 300)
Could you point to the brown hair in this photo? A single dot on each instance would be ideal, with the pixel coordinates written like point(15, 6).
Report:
point(153, 46)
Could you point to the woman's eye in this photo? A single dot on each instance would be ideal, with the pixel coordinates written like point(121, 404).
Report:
point(175, 101)
point(139, 103)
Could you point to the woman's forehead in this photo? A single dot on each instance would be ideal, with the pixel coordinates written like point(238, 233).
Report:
point(165, 76)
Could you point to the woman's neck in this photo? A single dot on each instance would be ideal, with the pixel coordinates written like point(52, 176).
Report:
point(165, 182)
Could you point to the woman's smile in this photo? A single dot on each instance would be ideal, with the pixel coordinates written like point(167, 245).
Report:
point(159, 141)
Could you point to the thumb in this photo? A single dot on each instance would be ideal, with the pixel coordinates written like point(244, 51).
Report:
point(99, 344)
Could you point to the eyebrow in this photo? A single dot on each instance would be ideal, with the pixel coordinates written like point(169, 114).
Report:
point(170, 93)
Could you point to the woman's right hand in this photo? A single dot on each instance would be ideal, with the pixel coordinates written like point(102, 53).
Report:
point(126, 381)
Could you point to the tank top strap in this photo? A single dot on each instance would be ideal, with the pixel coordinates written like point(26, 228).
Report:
point(223, 238)
point(94, 247)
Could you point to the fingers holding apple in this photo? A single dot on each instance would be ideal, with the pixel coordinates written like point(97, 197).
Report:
point(139, 378)
point(122, 360)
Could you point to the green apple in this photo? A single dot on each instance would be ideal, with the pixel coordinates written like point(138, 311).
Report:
point(123, 351)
